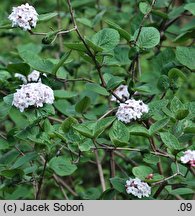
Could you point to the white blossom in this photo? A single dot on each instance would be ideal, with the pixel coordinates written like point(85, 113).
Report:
point(130, 110)
point(34, 76)
point(189, 157)
point(21, 77)
point(24, 16)
point(32, 94)
point(121, 92)
point(137, 188)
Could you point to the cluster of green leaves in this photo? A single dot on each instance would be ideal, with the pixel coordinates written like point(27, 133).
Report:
point(57, 142)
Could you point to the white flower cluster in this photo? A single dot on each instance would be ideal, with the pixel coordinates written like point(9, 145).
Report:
point(121, 92)
point(137, 188)
point(189, 158)
point(24, 16)
point(33, 94)
point(131, 109)
point(34, 76)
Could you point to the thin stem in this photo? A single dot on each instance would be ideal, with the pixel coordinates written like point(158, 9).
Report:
point(112, 164)
point(100, 170)
point(79, 80)
point(64, 184)
point(59, 20)
point(108, 113)
point(41, 180)
point(143, 20)
point(160, 189)
point(55, 119)
point(36, 33)
point(66, 31)
point(165, 179)
point(89, 52)
point(62, 189)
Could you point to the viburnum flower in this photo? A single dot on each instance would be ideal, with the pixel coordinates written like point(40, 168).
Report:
point(189, 158)
point(121, 92)
point(21, 77)
point(130, 110)
point(32, 94)
point(34, 76)
point(137, 188)
point(24, 16)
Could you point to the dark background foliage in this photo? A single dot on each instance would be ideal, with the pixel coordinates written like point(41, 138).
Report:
point(59, 151)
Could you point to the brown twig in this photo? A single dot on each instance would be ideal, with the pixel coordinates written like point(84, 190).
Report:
point(100, 170)
point(64, 184)
point(38, 194)
point(112, 164)
point(143, 20)
point(89, 52)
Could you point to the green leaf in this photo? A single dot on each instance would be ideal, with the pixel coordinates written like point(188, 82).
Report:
point(123, 33)
point(21, 68)
point(175, 73)
point(138, 130)
point(47, 16)
point(36, 62)
point(79, 4)
point(142, 172)
point(4, 109)
point(3, 144)
point(61, 62)
point(93, 46)
point(181, 114)
point(190, 7)
point(144, 7)
point(12, 173)
point(119, 134)
point(118, 184)
point(35, 48)
point(76, 46)
point(185, 55)
point(24, 159)
point(157, 126)
point(68, 123)
point(85, 129)
point(86, 145)
point(148, 38)
point(85, 21)
point(160, 14)
point(151, 159)
point(64, 94)
point(114, 82)
point(8, 99)
point(6, 26)
point(62, 166)
point(171, 141)
point(106, 38)
point(98, 17)
point(120, 57)
point(83, 104)
point(96, 88)
point(182, 191)
point(94, 128)
point(108, 194)
point(64, 107)
point(163, 83)
point(176, 105)
point(101, 125)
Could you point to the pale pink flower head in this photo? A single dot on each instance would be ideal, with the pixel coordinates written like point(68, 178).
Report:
point(189, 158)
point(24, 16)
